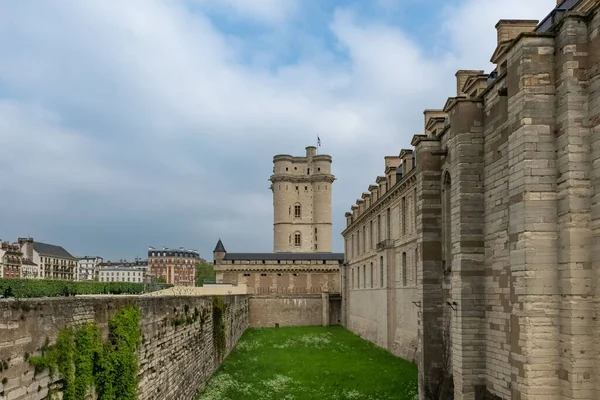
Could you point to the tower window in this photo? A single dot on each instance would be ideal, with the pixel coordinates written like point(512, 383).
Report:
point(295, 168)
point(319, 169)
point(305, 188)
point(286, 168)
point(297, 239)
point(296, 188)
point(297, 211)
point(308, 171)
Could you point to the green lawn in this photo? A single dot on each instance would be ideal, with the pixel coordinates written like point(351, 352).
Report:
point(310, 363)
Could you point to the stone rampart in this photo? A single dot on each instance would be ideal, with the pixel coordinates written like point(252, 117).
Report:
point(176, 360)
point(270, 310)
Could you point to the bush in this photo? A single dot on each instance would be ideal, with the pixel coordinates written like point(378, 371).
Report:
point(21, 288)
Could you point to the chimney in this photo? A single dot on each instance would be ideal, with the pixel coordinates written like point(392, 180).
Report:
point(461, 78)
point(509, 29)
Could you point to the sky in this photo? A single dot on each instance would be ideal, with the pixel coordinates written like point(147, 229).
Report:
point(144, 123)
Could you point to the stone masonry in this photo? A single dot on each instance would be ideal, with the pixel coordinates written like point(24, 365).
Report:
point(175, 361)
point(507, 221)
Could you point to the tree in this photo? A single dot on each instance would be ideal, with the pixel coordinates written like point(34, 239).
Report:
point(161, 279)
point(204, 272)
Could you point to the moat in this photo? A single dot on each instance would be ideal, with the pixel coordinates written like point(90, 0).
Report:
point(310, 363)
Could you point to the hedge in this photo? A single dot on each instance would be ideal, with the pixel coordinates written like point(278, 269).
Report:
point(21, 288)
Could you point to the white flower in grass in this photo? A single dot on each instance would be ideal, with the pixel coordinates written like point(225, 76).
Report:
point(278, 383)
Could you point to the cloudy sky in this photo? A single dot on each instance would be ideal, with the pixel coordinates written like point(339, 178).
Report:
point(154, 122)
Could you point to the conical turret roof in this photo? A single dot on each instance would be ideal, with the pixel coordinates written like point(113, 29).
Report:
point(219, 248)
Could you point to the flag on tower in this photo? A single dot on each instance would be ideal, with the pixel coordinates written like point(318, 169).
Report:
point(318, 141)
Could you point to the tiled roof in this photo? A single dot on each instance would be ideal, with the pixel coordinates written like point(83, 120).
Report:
point(286, 256)
point(52, 250)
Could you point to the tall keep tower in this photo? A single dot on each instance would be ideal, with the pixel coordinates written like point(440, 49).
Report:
point(302, 202)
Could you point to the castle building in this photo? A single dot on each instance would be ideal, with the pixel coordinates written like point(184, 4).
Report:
point(173, 266)
point(302, 203)
point(381, 254)
point(506, 239)
point(302, 265)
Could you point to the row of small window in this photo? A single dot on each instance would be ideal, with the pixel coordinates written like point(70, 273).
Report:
point(164, 254)
point(359, 246)
point(357, 283)
point(278, 262)
point(113, 279)
point(297, 187)
point(118, 273)
point(307, 169)
point(247, 275)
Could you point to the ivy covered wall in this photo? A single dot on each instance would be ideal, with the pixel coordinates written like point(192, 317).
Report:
point(129, 347)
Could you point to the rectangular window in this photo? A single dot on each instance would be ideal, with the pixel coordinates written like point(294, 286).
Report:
point(372, 285)
point(352, 278)
point(380, 271)
point(403, 216)
point(365, 276)
point(358, 241)
point(388, 227)
point(364, 239)
point(378, 228)
point(297, 211)
point(297, 242)
point(403, 269)
point(371, 237)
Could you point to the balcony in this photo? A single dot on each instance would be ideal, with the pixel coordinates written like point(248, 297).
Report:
point(385, 244)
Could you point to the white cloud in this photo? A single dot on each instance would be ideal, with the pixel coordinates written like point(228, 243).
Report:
point(147, 112)
point(266, 11)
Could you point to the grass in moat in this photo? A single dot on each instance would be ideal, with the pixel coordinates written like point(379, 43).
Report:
point(310, 363)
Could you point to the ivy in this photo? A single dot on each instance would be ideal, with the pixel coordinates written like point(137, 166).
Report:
point(219, 338)
point(86, 363)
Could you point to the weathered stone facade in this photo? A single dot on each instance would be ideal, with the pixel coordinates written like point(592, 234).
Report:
point(506, 232)
point(301, 189)
point(381, 255)
point(175, 361)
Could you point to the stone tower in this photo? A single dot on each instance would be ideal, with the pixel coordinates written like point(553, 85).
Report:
point(302, 202)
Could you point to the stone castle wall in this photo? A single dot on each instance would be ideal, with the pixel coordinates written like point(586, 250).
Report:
point(294, 310)
point(507, 292)
point(175, 361)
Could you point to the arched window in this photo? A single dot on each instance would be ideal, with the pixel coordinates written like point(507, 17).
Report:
point(297, 239)
point(297, 210)
point(446, 223)
point(403, 269)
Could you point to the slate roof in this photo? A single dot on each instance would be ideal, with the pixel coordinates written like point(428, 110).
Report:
point(285, 256)
point(52, 250)
point(219, 248)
